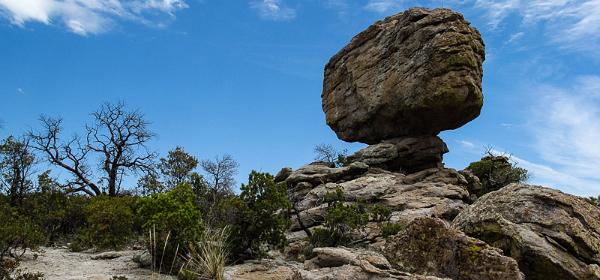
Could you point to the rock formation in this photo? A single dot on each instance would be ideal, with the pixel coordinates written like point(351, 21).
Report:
point(551, 234)
point(396, 86)
point(413, 74)
point(429, 246)
point(328, 264)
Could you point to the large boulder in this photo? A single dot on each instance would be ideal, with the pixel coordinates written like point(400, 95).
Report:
point(429, 246)
point(412, 74)
point(551, 234)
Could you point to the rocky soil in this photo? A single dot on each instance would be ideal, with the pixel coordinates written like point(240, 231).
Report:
point(61, 264)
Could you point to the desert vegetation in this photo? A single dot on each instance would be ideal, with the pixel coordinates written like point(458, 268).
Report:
point(183, 210)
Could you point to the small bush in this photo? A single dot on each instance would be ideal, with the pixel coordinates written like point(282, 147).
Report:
point(263, 208)
point(389, 229)
point(594, 200)
point(109, 223)
point(9, 271)
point(17, 233)
point(59, 214)
point(380, 213)
point(173, 220)
point(495, 172)
point(208, 257)
point(342, 220)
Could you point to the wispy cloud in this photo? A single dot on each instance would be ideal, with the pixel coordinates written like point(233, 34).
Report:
point(274, 10)
point(85, 17)
point(565, 125)
point(382, 6)
point(466, 144)
point(573, 23)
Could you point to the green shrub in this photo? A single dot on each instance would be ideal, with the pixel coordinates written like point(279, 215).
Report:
point(342, 220)
point(495, 172)
point(60, 215)
point(109, 223)
point(173, 220)
point(389, 229)
point(594, 200)
point(9, 271)
point(380, 213)
point(263, 208)
point(17, 233)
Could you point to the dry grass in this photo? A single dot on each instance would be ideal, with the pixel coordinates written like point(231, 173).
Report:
point(153, 240)
point(207, 258)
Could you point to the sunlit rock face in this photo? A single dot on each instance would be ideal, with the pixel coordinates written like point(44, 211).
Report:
point(412, 74)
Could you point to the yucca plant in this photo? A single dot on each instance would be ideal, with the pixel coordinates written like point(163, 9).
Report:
point(207, 258)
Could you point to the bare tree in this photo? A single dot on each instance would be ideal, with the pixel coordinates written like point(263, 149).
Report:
point(328, 153)
point(117, 137)
point(220, 172)
point(16, 168)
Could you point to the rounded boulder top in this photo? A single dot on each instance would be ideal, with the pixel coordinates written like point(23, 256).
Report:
point(416, 73)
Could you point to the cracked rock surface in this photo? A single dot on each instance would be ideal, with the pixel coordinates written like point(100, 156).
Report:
point(551, 234)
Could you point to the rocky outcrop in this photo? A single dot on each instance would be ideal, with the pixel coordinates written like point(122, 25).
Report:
point(328, 264)
point(551, 234)
point(412, 74)
point(408, 155)
point(429, 246)
point(434, 192)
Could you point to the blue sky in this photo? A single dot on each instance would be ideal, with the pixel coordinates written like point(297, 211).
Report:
point(244, 77)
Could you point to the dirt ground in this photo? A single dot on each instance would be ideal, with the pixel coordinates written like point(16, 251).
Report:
point(61, 264)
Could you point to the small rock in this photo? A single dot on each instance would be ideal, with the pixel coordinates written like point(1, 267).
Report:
point(107, 256)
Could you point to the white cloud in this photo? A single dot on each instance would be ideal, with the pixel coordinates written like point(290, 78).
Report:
point(573, 23)
point(273, 10)
point(466, 144)
point(515, 37)
point(382, 6)
point(550, 177)
point(87, 16)
point(566, 127)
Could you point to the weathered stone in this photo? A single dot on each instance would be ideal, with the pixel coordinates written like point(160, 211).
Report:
point(317, 174)
point(409, 155)
point(551, 234)
point(431, 193)
point(263, 270)
point(107, 255)
point(143, 259)
point(283, 174)
point(429, 246)
point(329, 264)
point(415, 73)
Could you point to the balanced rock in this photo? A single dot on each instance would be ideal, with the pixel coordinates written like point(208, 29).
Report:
point(551, 234)
point(412, 74)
